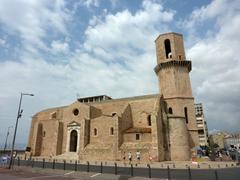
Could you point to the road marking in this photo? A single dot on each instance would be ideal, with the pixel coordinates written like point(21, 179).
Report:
point(69, 173)
point(39, 177)
point(95, 175)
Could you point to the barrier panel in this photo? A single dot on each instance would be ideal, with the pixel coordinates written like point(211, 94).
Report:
point(166, 172)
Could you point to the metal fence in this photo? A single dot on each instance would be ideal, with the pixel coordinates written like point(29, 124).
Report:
point(132, 170)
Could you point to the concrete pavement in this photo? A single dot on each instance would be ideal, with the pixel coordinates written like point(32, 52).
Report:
point(25, 173)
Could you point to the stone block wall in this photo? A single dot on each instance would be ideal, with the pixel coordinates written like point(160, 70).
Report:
point(179, 139)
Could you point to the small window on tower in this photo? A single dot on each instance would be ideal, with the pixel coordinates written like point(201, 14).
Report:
point(111, 131)
point(149, 120)
point(137, 136)
point(170, 111)
point(186, 114)
point(44, 133)
point(95, 131)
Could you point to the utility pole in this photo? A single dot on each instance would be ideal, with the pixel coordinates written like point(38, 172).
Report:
point(19, 115)
point(5, 145)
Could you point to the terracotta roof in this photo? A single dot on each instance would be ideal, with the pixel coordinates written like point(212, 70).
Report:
point(139, 130)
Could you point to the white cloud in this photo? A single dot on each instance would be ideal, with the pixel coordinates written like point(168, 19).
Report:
point(31, 20)
point(59, 47)
point(2, 42)
point(210, 19)
point(125, 33)
point(89, 3)
point(114, 3)
point(216, 63)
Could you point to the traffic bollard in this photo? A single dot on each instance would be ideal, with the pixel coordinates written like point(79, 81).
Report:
point(53, 164)
point(75, 167)
point(216, 174)
point(131, 170)
point(64, 164)
point(43, 163)
point(18, 161)
point(168, 172)
point(87, 166)
point(32, 163)
point(115, 169)
point(149, 171)
point(189, 173)
point(101, 168)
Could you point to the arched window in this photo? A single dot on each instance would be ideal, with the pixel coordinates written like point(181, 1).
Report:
point(186, 114)
point(149, 120)
point(44, 133)
point(168, 48)
point(170, 111)
point(111, 131)
point(95, 131)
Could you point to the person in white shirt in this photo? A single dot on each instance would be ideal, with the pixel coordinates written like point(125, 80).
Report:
point(138, 155)
point(130, 157)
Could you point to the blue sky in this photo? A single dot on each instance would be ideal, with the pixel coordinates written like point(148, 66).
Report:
point(60, 50)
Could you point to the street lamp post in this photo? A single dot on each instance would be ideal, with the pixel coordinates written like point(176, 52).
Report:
point(19, 114)
point(5, 145)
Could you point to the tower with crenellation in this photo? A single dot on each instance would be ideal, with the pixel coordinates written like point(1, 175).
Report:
point(174, 82)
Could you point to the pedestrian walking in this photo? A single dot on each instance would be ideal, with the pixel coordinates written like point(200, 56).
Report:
point(220, 156)
point(124, 157)
point(150, 158)
point(138, 155)
point(130, 157)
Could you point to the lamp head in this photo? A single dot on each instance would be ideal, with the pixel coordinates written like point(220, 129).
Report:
point(27, 94)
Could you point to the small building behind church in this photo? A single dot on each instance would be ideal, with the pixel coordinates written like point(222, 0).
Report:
point(161, 125)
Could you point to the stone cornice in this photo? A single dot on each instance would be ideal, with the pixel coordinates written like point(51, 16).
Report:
point(173, 63)
point(175, 116)
point(178, 97)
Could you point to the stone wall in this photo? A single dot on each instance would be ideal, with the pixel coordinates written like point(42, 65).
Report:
point(178, 105)
point(49, 138)
point(179, 141)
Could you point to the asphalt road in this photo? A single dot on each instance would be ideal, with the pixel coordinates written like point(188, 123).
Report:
point(232, 173)
point(24, 173)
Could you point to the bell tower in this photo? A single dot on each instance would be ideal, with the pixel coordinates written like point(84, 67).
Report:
point(173, 71)
point(172, 68)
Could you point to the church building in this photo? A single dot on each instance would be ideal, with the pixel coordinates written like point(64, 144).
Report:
point(162, 125)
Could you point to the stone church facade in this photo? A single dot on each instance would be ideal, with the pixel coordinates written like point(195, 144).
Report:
point(162, 125)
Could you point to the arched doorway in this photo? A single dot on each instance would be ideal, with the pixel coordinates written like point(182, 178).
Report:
point(73, 141)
